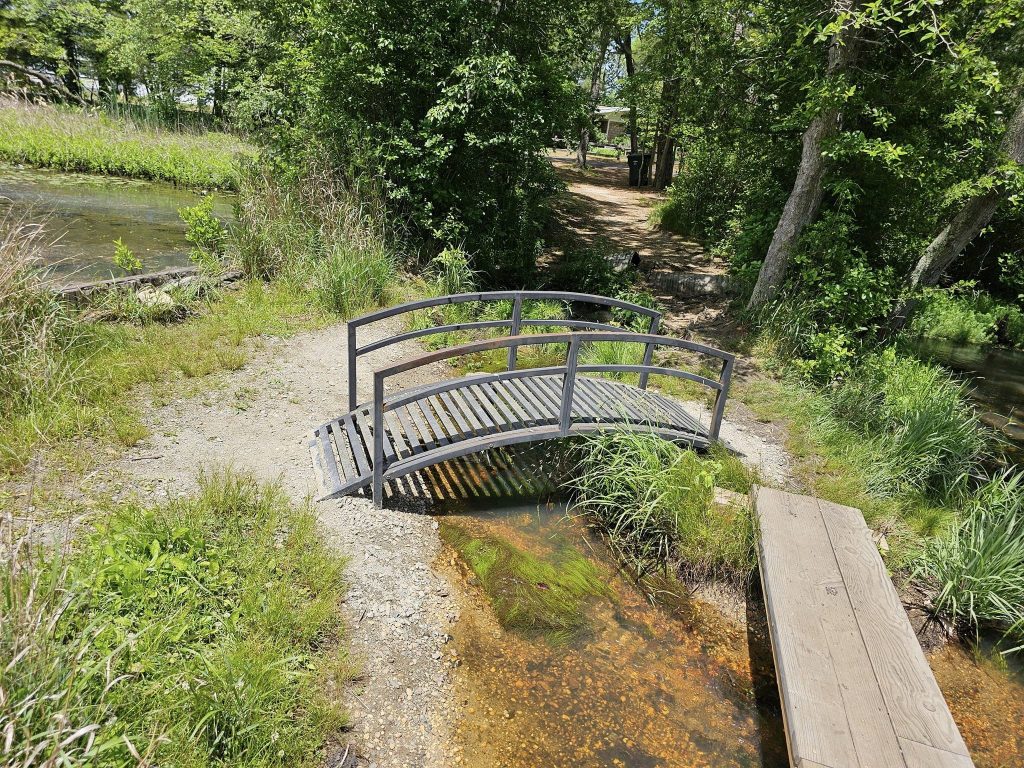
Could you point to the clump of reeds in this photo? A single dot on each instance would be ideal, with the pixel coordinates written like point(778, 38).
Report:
point(655, 502)
point(37, 330)
point(316, 229)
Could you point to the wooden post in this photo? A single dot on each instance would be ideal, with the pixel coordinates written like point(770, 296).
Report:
point(716, 417)
point(517, 318)
point(378, 440)
point(649, 351)
point(351, 367)
point(569, 386)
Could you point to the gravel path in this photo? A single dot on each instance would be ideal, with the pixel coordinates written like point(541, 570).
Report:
point(399, 610)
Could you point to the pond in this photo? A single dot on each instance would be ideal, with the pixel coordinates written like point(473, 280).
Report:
point(82, 215)
point(996, 376)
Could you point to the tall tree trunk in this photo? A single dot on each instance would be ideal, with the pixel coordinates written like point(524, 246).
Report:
point(625, 44)
point(802, 206)
point(664, 144)
point(595, 94)
point(965, 225)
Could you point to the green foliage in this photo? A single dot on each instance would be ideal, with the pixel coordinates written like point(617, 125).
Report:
point(73, 140)
point(978, 567)
point(125, 258)
point(654, 501)
point(966, 315)
point(586, 270)
point(204, 231)
point(312, 228)
point(200, 632)
point(917, 430)
point(533, 596)
point(450, 104)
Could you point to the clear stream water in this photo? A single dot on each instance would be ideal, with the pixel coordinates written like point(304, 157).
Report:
point(996, 378)
point(82, 215)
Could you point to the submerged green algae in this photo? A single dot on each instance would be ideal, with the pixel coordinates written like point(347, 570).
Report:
point(532, 596)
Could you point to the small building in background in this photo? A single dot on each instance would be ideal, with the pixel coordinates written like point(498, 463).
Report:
point(610, 123)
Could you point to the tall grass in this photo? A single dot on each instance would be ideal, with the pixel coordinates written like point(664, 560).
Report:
point(317, 230)
point(80, 140)
point(200, 632)
point(967, 315)
point(38, 334)
point(655, 502)
point(915, 429)
point(978, 567)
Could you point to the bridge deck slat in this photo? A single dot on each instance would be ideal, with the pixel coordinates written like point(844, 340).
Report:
point(416, 440)
point(853, 679)
point(504, 391)
point(342, 446)
point(456, 414)
point(362, 460)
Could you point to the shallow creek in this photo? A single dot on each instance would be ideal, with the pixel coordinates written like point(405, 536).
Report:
point(670, 682)
point(82, 215)
point(639, 684)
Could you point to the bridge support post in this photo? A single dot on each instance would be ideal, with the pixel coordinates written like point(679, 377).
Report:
point(517, 319)
point(649, 352)
point(719, 410)
point(351, 366)
point(569, 386)
point(378, 440)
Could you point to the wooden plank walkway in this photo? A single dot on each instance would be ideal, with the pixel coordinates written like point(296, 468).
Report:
point(856, 689)
point(479, 412)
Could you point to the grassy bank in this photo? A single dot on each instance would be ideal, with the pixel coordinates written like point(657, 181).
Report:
point(83, 141)
point(966, 315)
point(197, 633)
point(313, 251)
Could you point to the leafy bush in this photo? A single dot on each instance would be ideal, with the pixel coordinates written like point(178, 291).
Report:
point(978, 567)
point(586, 270)
point(200, 632)
point(654, 501)
point(204, 231)
point(125, 258)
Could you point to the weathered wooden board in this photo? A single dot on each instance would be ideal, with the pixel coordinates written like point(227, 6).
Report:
point(856, 688)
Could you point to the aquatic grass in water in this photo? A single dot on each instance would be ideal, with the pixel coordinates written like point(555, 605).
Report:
point(200, 632)
point(78, 140)
point(533, 596)
point(655, 502)
point(978, 567)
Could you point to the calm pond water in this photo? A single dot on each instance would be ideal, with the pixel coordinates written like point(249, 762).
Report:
point(996, 376)
point(82, 215)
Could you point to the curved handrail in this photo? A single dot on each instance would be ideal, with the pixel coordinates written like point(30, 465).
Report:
point(515, 323)
point(573, 340)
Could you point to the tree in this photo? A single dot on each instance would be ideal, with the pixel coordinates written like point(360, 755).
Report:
point(595, 94)
point(802, 205)
point(971, 218)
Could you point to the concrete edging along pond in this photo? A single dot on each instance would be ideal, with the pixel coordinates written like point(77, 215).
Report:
point(80, 292)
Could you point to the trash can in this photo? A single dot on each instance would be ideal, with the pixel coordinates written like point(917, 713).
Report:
point(639, 168)
point(634, 160)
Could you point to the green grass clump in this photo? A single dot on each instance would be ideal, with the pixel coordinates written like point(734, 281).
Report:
point(915, 430)
point(537, 598)
point(978, 566)
point(655, 502)
point(200, 632)
point(76, 140)
point(966, 315)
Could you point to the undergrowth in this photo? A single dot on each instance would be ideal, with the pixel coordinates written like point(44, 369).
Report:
point(200, 632)
point(655, 502)
point(967, 315)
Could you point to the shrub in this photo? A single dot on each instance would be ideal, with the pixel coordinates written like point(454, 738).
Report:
point(586, 270)
point(204, 231)
point(199, 632)
point(978, 568)
point(966, 315)
point(654, 501)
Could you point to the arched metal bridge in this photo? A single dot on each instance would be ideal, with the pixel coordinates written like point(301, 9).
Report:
point(402, 432)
